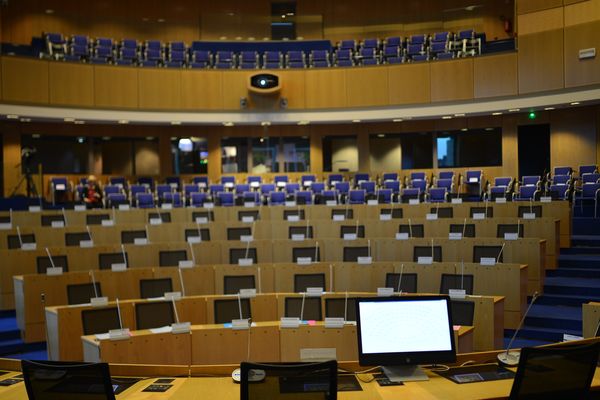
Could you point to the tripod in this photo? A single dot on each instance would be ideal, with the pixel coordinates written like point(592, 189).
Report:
point(30, 184)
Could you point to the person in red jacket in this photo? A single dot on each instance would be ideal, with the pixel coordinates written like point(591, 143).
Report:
point(92, 195)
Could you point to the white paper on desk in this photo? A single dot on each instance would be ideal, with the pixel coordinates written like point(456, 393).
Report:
point(102, 336)
point(5, 225)
point(162, 329)
point(79, 207)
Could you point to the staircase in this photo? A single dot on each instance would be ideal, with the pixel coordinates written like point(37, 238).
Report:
point(11, 345)
point(576, 281)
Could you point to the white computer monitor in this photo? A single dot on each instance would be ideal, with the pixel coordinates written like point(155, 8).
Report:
point(401, 333)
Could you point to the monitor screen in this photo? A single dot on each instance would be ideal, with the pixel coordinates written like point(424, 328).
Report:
point(408, 283)
point(299, 213)
point(171, 258)
point(443, 212)
point(303, 281)
point(100, 320)
point(307, 231)
point(106, 260)
point(487, 251)
point(537, 210)
point(204, 234)
point(228, 310)
point(405, 330)
point(154, 314)
point(209, 215)
point(15, 243)
point(74, 238)
point(311, 312)
point(150, 288)
point(351, 254)
point(128, 237)
point(462, 312)
point(43, 263)
point(341, 308)
point(427, 251)
point(164, 216)
point(416, 231)
point(233, 283)
point(53, 380)
point(347, 213)
point(487, 211)
point(96, 219)
point(314, 253)
point(358, 230)
point(467, 230)
point(236, 254)
point(81, 293)
point(395, 212)
point(510, 228)
point(255, 214)
point(456, 281)
point(48, 219)
point(236, 233)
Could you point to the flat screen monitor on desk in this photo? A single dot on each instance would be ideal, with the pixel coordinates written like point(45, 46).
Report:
point(49, 380)
point(171, 258)
point(400, 333)
point(100, 320)
point(154, 314)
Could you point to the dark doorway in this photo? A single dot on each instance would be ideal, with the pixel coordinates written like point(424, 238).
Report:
point(534, 150)
point(283, 20)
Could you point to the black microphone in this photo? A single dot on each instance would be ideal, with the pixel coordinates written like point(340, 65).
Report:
point(511, 359)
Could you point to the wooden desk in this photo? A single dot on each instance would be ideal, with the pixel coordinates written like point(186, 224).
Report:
point(591, 318)
point(145, 347)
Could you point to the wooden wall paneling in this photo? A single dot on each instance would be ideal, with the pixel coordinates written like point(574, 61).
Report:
point(25, 80)
point(495, 75)
point(581, 12)
point(367, 86)
point(409, 83)
point(541, 21)
point(326, 88)
point(568, 2)
point(159, 88)
point(293, 88)
point(316, 150)
point(202, 90)
point(214, 151)
point(573, 135)
point(510, 146)
point(452, 80)
point(71, 84)
point(11, 158)
point(528, 6)
point(541, 65)
point(116, 87)
point(581, 72)
point(147, 159)
point(234, 88)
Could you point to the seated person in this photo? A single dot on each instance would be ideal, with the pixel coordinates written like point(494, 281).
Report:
point(92, 195)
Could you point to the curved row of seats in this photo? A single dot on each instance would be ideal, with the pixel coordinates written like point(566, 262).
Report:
point(347, 53)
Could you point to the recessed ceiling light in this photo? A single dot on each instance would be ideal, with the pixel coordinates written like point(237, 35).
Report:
point(160, 20)
point(36, 136)
point(80, 139)
point(266, 123)
point(12, 116)
point(304, 137)
point(123, 121)
point(69, 119)
point(228, 123)
point(25, 120)
point(175, 122)
point(356, 121)
point(105, 137)
point(575, 103)
point(79, 122)
point(397, 120)
point(49, 11)
point(459, 115)
point(303, 122)
point(464, 129)
point(447, 117)
point(497, 113)
point(514, 110)
point(381, 135)
point(549, 108)
point(489, 129)
point(149, 137)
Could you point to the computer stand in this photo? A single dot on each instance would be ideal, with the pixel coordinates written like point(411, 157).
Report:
point(405, 373)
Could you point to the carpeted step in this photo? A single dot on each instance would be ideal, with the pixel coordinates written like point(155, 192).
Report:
point(581, 250)
point(39, 355)
point(18, 346)
point(585, 240)
point(545, 334)
point(579, 261)
point(586, 226)
point(519, 343)
point(572, 286)
point(574, 272)
point(565, 300)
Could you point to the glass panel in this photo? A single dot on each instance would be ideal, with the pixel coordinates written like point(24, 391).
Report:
point(296, 154)
point(478, 147)
point(234, 155)
point(417, 150)
point(190, 155)
point(264, 155)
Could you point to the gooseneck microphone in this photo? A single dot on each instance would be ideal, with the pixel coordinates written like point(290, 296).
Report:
point(511, 358)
